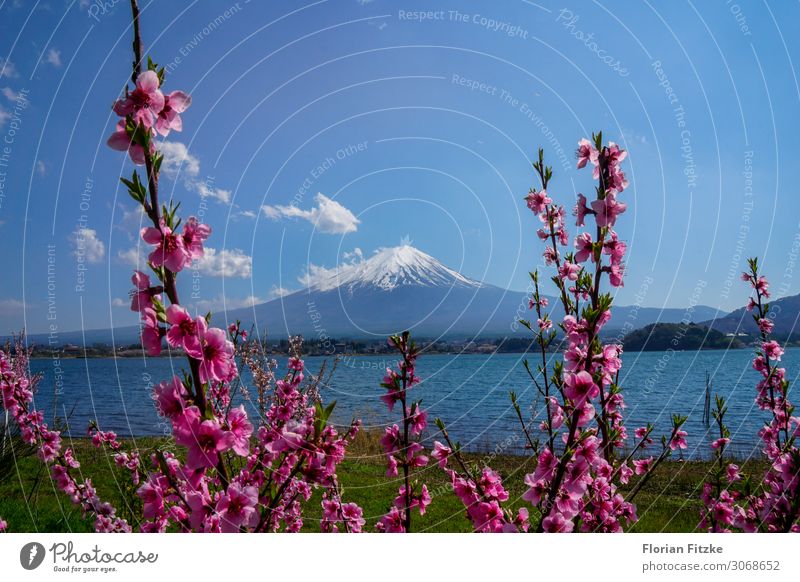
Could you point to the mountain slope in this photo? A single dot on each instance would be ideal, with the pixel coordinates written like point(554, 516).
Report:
point(395, 289)
point(390, 268)
point(787, 319)
point(404, 288)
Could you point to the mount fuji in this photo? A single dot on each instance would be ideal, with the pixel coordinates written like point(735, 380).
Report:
point(401, 288)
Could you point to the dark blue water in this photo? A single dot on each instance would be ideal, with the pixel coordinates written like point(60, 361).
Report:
point(469, 392)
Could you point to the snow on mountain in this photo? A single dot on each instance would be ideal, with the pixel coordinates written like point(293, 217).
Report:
point(390, 268)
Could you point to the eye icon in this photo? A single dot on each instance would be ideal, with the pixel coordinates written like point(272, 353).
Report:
point(31, 555)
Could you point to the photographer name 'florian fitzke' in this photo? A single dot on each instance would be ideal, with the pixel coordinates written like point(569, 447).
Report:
point(680, 549)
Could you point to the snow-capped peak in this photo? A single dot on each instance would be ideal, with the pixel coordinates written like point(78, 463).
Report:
point(390, 268)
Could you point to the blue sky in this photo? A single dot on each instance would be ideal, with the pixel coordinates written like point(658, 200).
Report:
point(409, 129)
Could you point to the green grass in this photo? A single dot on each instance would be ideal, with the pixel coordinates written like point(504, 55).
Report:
point(669, 502)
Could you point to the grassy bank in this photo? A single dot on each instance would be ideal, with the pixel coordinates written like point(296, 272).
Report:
point(669, 502)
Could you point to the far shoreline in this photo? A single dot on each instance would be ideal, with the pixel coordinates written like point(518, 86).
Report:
point(123, 356)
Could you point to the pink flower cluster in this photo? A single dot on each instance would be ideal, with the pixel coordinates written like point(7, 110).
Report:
point(294, 451)
point(17, 389)
point(772, 504)
point(146, 109)
point(338, 516)
point(400, 442)
point(234, 476)
point(208, 346)
point(482, 495)
point(574, 486)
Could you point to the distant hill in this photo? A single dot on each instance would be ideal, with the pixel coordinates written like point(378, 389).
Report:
point(404, 288)
point(785, 313)
point(392, 290)
point(676, 336)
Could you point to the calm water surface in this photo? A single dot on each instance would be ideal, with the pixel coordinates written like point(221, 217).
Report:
point(470, 392)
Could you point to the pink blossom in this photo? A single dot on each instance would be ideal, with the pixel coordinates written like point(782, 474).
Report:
point(625, 473)
point(169, 396)
point(169, 117)
point(586, 153)
point(204, 440)
point(441, 453)
point(555, 522)
point(142, 297)
point(642, 433)
point(569, 271)
point(392, 522)
point(580, 387)
point(550, 255)
point(143, 103)
point(678, 440)
point(170, 250)
point(183, 331)
point(720, 443)
point(152, 498)
point(581, 210)
point(354, 516)
point(151, 332)
point(732, 473)
point(584, 248)
point(391, 439)
point(3, 526)
point(194, 233)
point(614, 248)
point(765, 325)
point(762, 286)
point(642, 466)
point(538, 201)
point(240, 429)
point(772, 350)
point(237, 508)
point(217, 362)
point(608, 210)
point(121, 141)
point(616, 274)
point(418, 422)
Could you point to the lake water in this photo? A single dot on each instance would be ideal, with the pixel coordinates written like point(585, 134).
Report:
point(469, 392)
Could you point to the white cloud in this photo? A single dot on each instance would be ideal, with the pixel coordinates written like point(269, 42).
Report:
point(328, 216)
point(279, 292)
point(225, 263)
point(10, 94)
point(354, 256)
point(7, 68)
point(132, 257)
point(4, 116)
point(318, 276)
point(11, 306)
point(178, 160)
point(324, 278)
point(206, 191)
point(41, 168)
point(247, 214)
point(117, 302)
point(53, 57)
point(180, 163)
point(86, 245)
